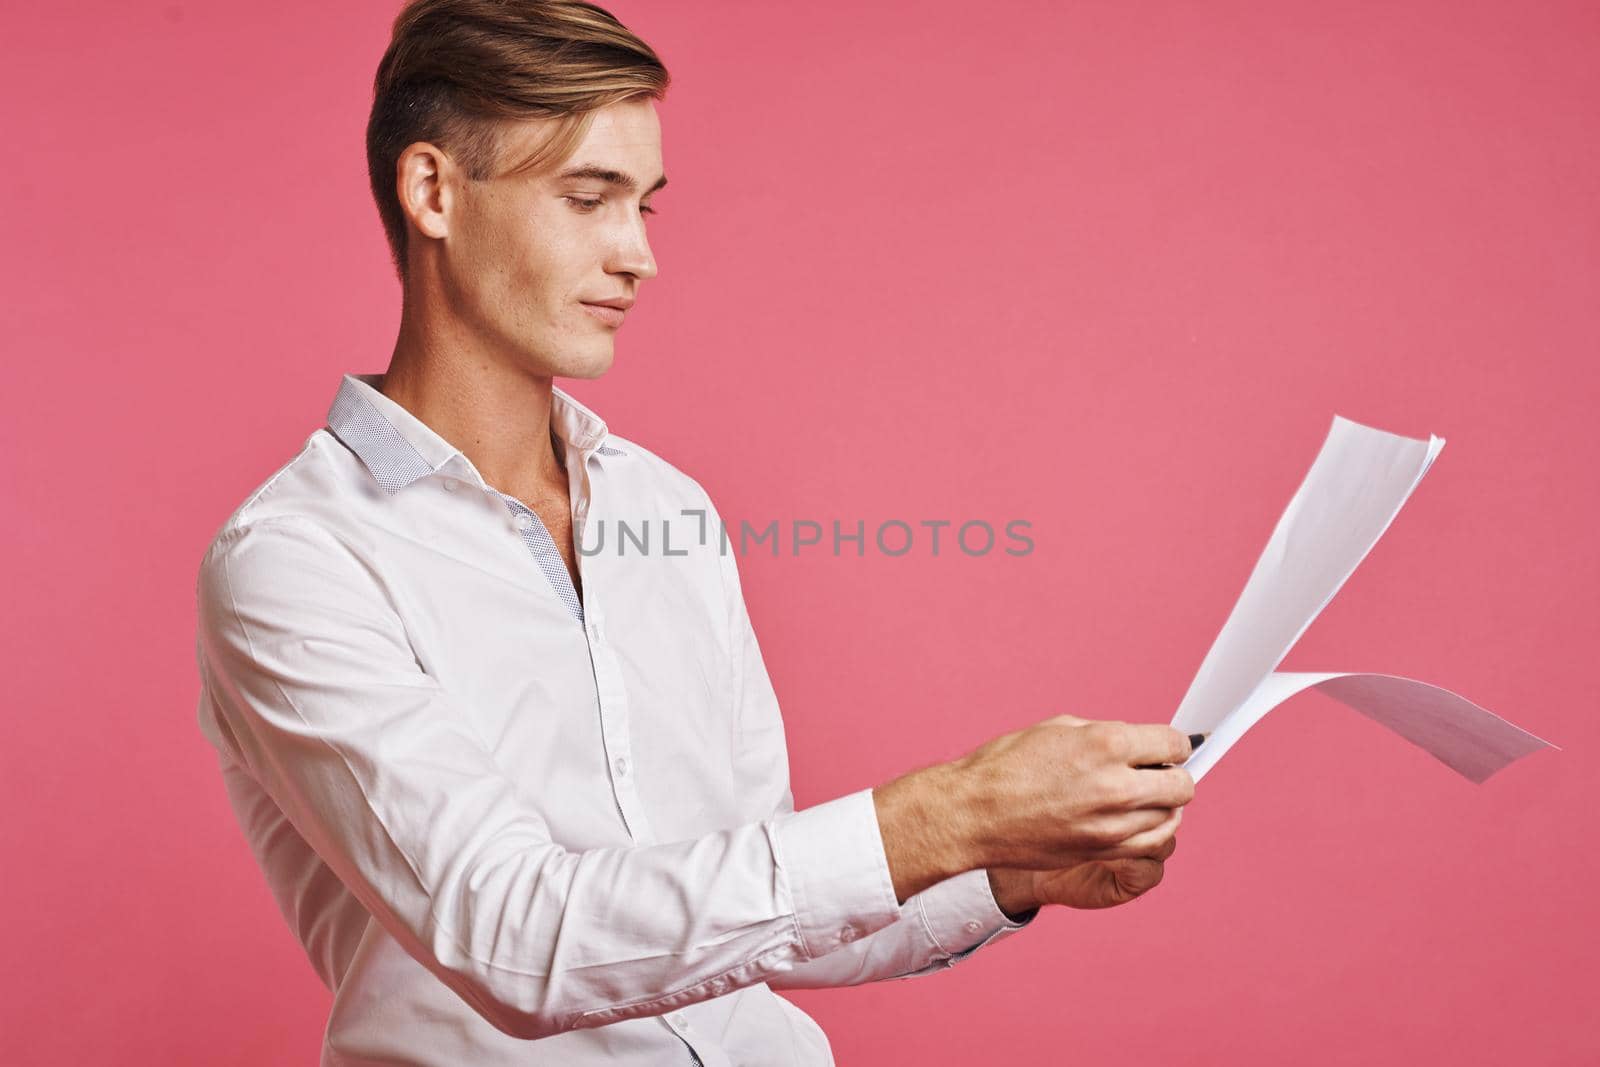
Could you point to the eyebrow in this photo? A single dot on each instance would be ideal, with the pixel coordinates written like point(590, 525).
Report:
point(625, 182)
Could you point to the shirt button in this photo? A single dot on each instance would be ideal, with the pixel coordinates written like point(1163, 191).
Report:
point(595, 632)
point(972, 927)
point(847, 934)
point(451, 485)
point(621, 766)
point(680, 1020)
point(523, 521)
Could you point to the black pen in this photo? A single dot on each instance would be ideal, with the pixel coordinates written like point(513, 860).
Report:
point(1195, 741)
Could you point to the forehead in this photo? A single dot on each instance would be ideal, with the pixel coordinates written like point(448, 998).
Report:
point(631, 126)
point(623, 137)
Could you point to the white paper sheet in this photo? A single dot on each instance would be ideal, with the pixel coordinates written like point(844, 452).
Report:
point(1355, 488)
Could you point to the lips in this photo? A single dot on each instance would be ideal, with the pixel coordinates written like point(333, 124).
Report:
point(606, 313)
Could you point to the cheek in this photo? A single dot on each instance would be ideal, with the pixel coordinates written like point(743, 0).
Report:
point(551, 275)
point(503, 242)
point(530, 268)
point(523, 252)
point(515, 275)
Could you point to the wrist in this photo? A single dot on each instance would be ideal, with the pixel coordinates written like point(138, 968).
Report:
point(1013, 892)
point(924, 828)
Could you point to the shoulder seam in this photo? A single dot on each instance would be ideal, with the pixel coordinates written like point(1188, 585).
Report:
point(241, 513)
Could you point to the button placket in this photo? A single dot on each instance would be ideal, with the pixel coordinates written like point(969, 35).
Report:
point(613, 702)
point(537, 542)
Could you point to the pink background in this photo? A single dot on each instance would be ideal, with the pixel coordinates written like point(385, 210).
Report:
point(1110, 268)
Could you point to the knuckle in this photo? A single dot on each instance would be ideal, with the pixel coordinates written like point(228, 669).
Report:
point(1185, 785)
point(1116, 791)
point(1108, 740)
point(1084, 743)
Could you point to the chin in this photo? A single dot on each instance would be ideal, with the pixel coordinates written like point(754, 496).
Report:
point(590, 365)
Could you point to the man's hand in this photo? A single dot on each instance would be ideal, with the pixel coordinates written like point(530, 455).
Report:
point(1049, 797)
point(1094, 884)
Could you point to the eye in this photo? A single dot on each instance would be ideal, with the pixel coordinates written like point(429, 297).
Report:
point(585, 206)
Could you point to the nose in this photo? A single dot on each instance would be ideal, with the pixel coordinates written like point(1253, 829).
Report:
point(631, 253)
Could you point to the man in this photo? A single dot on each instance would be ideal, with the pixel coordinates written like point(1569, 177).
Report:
point(523, 804)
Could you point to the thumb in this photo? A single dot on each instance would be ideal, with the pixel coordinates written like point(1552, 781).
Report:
point(1137, 876)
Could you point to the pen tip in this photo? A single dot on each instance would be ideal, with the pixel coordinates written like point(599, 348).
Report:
point(1196, 740)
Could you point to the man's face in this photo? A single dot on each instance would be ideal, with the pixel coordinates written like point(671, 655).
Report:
point(526, 254)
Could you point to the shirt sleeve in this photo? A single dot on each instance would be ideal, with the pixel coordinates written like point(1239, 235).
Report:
point(936, 928)
point(320, 695)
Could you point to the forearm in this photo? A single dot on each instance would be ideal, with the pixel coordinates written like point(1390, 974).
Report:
point(930, 835)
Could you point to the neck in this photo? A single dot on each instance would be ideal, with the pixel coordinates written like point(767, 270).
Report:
point(496, 413)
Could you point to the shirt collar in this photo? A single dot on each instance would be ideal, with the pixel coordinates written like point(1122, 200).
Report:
point(398, 448)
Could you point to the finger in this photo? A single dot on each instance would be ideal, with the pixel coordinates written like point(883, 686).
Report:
point(1150, 742)
point(1116, 828)
point(1166, 787)
point(1147, 843)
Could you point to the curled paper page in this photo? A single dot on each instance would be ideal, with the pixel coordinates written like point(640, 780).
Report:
point(1355, 488)
point(1474, 741)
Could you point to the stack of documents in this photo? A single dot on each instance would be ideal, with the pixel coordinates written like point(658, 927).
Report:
point(1354, 489)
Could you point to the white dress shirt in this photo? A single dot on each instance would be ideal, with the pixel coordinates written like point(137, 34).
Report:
point(513, 826)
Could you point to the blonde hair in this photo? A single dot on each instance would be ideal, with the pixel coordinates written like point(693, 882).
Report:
point(458, 73)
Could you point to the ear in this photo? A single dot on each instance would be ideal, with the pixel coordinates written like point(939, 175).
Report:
point(424, 184)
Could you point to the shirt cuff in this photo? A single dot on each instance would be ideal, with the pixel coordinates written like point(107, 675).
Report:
point(960, 912)
point(831, 855)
